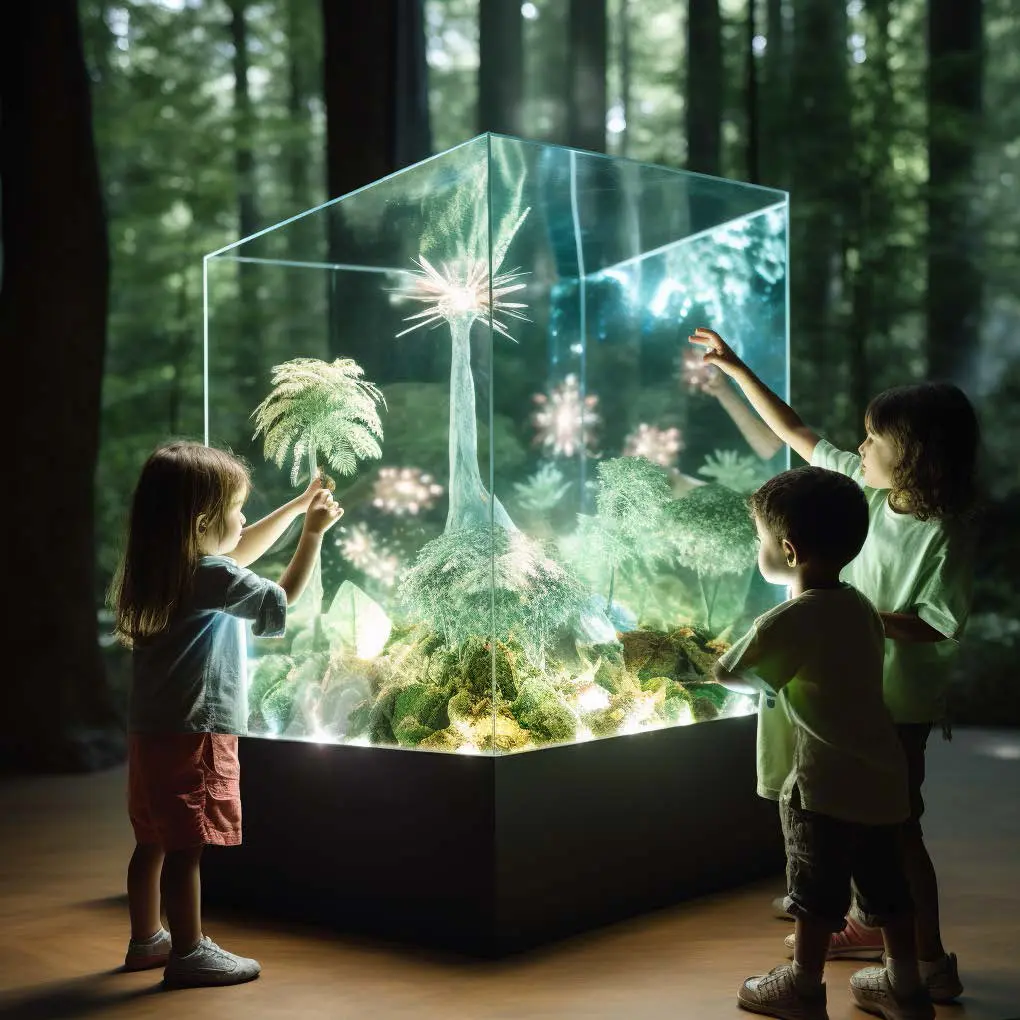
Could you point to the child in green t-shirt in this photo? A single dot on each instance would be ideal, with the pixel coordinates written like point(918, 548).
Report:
point(917, 468)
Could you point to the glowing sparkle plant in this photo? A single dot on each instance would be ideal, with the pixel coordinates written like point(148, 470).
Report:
point(660, 446)
point(564, 421)
point(467, 288)
point(404, 490)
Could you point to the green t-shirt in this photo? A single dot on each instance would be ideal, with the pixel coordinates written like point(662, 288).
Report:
point(828, 734)
point(910, 566)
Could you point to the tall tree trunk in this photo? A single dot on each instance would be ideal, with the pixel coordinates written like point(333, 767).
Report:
point(57, 714)
point(586, 98)
point(955, 67)
point(751, 95)
point(774, 94)
point(704, 94)
point(500, 66)
point(249, 366)
point(376, 91)
point(823, 194)
point(625, 75)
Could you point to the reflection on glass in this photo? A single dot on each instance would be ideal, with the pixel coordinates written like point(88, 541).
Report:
point(545, 536)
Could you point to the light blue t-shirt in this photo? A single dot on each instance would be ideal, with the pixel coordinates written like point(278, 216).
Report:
point(191, 678)
point(910, 566)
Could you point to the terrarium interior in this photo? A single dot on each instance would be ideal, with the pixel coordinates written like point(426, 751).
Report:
point(545, 535)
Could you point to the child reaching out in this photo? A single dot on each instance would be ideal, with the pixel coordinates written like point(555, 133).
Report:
point(917, 469)
point(818, 659)
point(180, 596)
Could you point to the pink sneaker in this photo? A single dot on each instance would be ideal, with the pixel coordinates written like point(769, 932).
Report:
point(854, 942)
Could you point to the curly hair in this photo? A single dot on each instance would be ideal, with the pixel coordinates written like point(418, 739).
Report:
point(822, 513)
point(935, 430)
point(179, 481)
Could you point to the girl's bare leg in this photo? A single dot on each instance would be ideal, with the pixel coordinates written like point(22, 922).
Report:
point(182, 894)
point(143, 890)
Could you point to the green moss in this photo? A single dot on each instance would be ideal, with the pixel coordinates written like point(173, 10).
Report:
point(409, 732)
point(421, 701)
point(539, 709)
point(277, 707)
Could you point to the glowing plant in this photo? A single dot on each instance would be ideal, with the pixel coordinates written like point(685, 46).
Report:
point(632, 493)
point(404, 490)
point(739, 472)
point(365, 551)
point(465, 288)
point(564, 421)
point(660, 446)
point(318, 408)
point(694, 371)
point(543, 490)
point(710, 531)
point(479, 580)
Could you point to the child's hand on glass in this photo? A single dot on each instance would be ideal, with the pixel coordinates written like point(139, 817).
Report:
point(320, 483)
point(717, 351)
point(322, 513)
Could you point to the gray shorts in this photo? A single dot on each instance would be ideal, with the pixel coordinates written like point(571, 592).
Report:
point(824, 855)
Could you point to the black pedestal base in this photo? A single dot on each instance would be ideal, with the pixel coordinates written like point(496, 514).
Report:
point(490, 855)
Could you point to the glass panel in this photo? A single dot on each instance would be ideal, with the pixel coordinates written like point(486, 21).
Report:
point(553, 543)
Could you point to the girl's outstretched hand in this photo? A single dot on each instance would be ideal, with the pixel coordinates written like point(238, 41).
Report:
point(320, 483)
point(322, 513)
point(717, 351)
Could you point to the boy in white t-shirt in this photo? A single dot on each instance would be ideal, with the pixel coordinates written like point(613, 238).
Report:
point(828, 742)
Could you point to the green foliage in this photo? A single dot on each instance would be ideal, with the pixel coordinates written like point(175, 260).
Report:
point(739, 472)
point(543, 490)
point(321, 408)
point(710, 530)
point(481, 581)
point(540, 710)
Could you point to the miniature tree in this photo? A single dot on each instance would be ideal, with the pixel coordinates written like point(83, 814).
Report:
point(710, 531)
point(320, 409)
point(466, 287)
point(631, 496)
point(739, 472)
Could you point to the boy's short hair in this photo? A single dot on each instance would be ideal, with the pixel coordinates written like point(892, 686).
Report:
point(822, 513)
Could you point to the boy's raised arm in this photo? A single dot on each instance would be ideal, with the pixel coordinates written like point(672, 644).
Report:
point(776, 413)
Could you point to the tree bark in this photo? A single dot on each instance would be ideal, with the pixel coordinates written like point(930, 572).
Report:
point(586, 98)
point(58, 714)
point(500, 66)
point(955, 63)
point(704, 94)
point(375, 84)
point(249, 365)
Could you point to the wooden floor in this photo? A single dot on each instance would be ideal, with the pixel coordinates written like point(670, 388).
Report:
point(65, 842)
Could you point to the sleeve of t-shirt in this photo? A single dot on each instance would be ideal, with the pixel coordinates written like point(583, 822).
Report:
point(768, 650)
point(944, 598)
point(224, 585)
point(827, 456)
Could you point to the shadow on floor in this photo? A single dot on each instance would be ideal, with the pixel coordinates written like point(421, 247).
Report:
point(90, 995)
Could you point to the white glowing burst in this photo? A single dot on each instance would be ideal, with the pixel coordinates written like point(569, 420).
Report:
point(592, 697)
point(404, 490)
point(363, 550)
point(695, 371)
point(660, 446)
point(565, 420)
point(461, 289)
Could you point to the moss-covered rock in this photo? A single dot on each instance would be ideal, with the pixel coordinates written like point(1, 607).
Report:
point(540, 710)
point(409, 732)
point(277, 706)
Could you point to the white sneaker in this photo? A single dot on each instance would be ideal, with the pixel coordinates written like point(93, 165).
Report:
point(776, 994)
point(873, 992)
point(944, 985)
point(143, 954)
point(208, 964)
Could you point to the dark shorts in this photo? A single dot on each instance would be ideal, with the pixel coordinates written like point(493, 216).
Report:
point(824, 855)
point(914, 738)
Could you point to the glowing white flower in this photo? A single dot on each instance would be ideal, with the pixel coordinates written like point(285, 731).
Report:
point(363, 550)
point(460, 289)
point(565, 420)
point(404, 490)
point(660, 446)
point(694, 370)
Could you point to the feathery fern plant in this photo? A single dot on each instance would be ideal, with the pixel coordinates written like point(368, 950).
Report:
point(739, 472)
point(710, 530)
point(320, 408)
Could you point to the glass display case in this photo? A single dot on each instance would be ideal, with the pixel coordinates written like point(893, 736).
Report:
point(545, 537)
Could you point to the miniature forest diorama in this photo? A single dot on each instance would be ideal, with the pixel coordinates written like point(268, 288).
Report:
point(546, 536)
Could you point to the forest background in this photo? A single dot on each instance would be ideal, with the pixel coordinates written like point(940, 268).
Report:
point(894, 124)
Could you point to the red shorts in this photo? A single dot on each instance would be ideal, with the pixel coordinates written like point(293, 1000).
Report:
point(184, 789)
